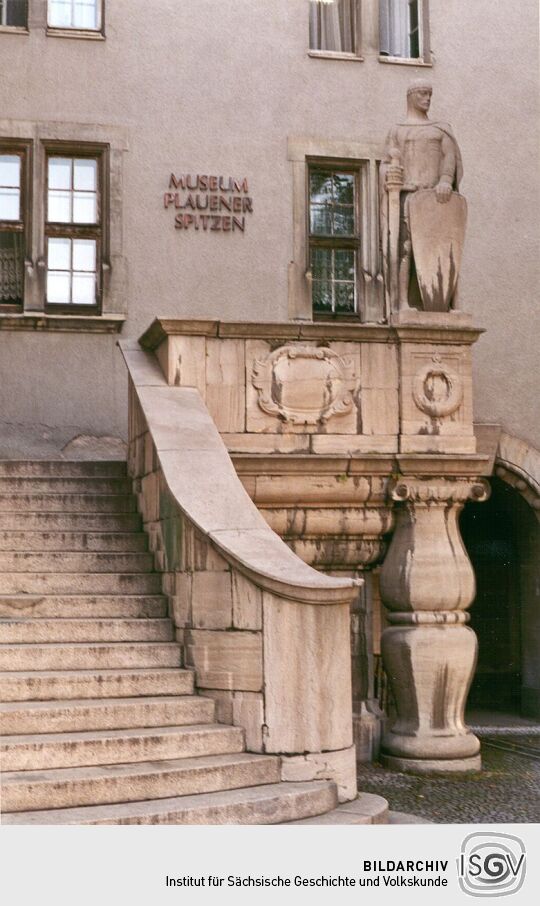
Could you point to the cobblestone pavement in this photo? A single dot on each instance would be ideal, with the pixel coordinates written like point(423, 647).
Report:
point(507, 790)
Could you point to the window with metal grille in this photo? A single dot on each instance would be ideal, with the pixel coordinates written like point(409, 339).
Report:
point(73, 229)
point(14, 221)
point(333, 26)
point(85, 15)
point(334, 240)
point(401, 28)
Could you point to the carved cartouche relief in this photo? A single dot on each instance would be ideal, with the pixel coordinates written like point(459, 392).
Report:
point(304, 384)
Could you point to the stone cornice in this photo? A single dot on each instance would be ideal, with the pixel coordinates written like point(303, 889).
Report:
point(444, 331)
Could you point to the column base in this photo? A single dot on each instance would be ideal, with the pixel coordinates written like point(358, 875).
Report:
point(432, 765)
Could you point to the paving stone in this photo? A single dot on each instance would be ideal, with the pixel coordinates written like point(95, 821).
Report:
point(505, 791)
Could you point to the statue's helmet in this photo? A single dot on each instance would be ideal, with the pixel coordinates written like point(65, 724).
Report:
point(419, 85)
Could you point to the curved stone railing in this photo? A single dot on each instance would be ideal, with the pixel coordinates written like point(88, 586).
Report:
point(267, 635)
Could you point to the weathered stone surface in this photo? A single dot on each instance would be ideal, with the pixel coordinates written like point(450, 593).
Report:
point(51, 685)
point(433, 765)
point(104, 714)
point(275, 804)
point(211, 596)
point(247, 603)
point(223, 701)
point(248, 712)
point(337, 766)
point(367, 808)
point(307, 685)
point(265, 443)
point(225, 384)
point(33, 752)
point(71, 787)
point(226, 660)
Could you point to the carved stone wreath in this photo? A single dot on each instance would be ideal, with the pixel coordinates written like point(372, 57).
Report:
point(304, 384)
point(437, 390)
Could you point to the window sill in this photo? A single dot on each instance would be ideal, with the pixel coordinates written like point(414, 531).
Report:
point(80, 33)
point(13, 30)
point(404, 61)
point(334, 55)
point(63, 323)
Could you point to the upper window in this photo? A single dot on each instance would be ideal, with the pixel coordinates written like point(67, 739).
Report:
point(84, 15)
point(334, 240)
point(13, 222)
point(333, 26)
point(73, 230)
point(401, 29)
point(14, 13)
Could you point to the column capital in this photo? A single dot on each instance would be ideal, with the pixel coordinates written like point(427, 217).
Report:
point(441, 491)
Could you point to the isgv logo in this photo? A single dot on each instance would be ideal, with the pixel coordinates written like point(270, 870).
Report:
point(491, 865)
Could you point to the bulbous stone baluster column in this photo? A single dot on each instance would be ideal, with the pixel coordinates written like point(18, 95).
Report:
point(429, 653)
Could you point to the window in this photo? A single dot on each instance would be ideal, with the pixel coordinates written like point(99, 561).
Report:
point(14, 13)
point(73, 229)
point(336, 261)
point(334, 240)
point(78, 14)
point(333, 26)
point(401, 28)
point(14, 222)
point(62, 260)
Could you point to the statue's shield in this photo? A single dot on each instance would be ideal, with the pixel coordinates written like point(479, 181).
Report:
point(438, 234)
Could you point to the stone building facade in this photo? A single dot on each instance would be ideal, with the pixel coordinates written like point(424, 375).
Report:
point(205, 176)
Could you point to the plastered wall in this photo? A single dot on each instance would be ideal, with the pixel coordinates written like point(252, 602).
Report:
point(219, 86)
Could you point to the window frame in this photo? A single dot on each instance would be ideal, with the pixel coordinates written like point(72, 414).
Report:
point(62, 230)
point(356, 54)
point(16, 29)
point(23, 149)
point(366, 156)
point(63, 31)
point(425, 58)
point(335, 243)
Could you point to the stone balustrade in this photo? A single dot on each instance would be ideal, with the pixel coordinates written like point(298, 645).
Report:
point(324, 424)
point(267, 635)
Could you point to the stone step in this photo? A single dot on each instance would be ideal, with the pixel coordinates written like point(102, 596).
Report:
point(67, 503)
point(45, 751)
point(277, 803)
point(64, 485)
point(83, 606)
point(75, 562)
point(81, 656)
point(91, 786)
point(367, 808)
point(80, 583)
point(125, 542)
point(15, 468)
point(104, 714)
point(33, 632)
point(46, 685)
point(70, 522)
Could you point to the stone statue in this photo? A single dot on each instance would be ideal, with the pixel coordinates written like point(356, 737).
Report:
point(423, 218)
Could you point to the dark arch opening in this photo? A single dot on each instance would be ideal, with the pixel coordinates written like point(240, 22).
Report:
point(502, 538)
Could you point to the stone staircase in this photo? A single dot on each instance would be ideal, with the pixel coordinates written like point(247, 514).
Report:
point(100, 724)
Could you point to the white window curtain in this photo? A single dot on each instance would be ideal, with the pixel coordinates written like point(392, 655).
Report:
point(394, 28)
point(331, 25)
